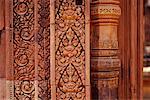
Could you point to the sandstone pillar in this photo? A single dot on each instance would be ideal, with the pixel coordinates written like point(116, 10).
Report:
point(105, 63)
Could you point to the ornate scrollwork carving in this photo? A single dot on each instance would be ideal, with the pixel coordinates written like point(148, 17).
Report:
point(23, 38)
point(21, 8)
point(31, 49)
point(70, 50)
point(24, 90)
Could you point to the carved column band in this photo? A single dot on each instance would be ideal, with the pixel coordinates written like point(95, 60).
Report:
point(105, 64)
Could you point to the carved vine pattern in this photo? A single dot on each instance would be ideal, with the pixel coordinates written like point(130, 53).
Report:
point(24, 40)
point(23, 49)
point(70, 50)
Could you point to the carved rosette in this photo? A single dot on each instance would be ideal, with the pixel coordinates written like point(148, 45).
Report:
point(105, 64)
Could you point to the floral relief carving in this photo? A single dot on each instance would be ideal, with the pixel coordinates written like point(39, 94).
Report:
point(106, 10)
point(23, 38)
point(70, 50)
point(24, 90)
point(23, 49)
point(31, 49)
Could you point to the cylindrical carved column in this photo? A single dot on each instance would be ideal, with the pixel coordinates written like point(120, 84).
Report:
point(105, 63)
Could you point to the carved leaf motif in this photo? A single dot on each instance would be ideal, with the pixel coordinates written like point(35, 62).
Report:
point(70, 80)
point(70, 51)
point(30, 47)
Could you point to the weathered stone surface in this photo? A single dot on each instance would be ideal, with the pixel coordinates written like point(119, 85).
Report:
point(105, 63)
point(48, 49)
point(28, 28)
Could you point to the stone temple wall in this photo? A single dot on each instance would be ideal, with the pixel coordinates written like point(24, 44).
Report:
point(46, 46)
point(46, 50)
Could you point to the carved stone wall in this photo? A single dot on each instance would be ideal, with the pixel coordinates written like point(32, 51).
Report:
point(105, 63)
point(28, 29)
point(46, 43)
point(48, 49)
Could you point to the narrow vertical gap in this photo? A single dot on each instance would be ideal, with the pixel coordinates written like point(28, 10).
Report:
point(146, 45)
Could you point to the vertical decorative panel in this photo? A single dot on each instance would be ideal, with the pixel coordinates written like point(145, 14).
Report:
point(105, 62)
point(34, 25)
point(43, 49)
point(70, 58)
point(23, 49)
point(31, 49)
